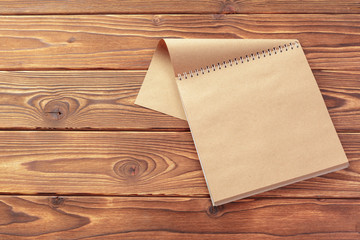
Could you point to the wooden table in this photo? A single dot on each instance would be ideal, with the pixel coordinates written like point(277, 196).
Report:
point(79, 160)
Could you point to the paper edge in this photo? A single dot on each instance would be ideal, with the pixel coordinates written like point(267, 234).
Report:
point(283, 183)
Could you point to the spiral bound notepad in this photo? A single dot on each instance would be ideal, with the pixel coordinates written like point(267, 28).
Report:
point(256, 114)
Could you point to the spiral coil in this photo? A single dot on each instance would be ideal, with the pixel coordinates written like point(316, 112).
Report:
point(237, 61)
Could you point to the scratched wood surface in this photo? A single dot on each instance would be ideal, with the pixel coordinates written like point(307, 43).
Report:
point(78, 160)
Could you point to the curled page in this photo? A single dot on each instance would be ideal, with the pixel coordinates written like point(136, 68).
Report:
point(176, 56)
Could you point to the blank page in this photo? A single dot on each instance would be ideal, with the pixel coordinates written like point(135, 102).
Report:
point(260, 124)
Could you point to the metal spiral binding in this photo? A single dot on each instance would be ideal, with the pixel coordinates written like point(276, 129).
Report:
point(237, 61)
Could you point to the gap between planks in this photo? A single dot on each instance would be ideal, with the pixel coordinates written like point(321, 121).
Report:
point(167, 13)
point(160, 130)
point(4, 194)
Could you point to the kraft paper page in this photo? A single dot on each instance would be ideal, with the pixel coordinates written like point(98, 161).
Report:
point(258, 122)
point(176, 56)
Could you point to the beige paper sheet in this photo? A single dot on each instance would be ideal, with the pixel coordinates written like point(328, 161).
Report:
point(256, 125)
point(159, 91)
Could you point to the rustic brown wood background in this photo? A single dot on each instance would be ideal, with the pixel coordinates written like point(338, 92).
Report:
point(79, 160)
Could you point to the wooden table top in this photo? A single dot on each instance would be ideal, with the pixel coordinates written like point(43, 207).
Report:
point(78, 160)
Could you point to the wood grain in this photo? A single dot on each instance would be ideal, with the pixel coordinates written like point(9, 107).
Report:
point(136, 174)
point(135, 163)
point(177, 218)
point(177, 6)
point(128, 41)
point(86, 100)
point(104, 100)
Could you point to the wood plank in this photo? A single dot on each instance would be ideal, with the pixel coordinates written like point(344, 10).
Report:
point(86, 100)
point(340, 91)
point(178, 6)
point(128, 41)
point(135, 163)
point(44, 217)
point(104, 100)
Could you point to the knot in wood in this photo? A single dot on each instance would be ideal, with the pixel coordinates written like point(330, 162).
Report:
point(218, 16)
point(56, 110)
point(228, 7)
point(156, 20)
point(71, 40)
point(130, 169)
point(214, 211)
point(57, 201)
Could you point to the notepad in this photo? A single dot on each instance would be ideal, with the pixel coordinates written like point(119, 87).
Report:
point(256, 114)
